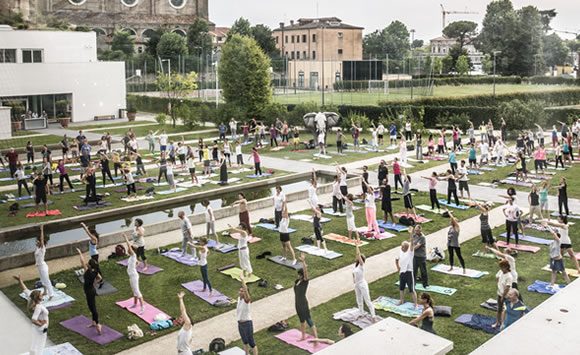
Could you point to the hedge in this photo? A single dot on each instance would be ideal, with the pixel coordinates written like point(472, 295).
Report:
point(562, 114)
point(155, 104)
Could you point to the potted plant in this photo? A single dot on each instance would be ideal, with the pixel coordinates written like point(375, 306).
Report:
point(131, 111)
point(16, 117)
point(62, 114)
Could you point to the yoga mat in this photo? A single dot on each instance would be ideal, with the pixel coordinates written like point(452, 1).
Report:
point(332, 213)
point(474, 172)
point(487, 184)
point(392, 226)
point(529, 238)
point(313, 250)
point(307, 218)
point(151, 269)
point(486, 168)
point(80, 325)
point(230, 181)
point(434, 288)
point(105, 289)
point(287, 262)
point(59, 299)
point(233, 351)
point(165, 183)
point(322, 156)
point(380, 236)
point(490, 304)
point(272, 227)
point(452, 205)
point(92, 206)
point(100, 186)
point(574, 216)
point(570, 272)
point(544, 287)
point(137, 188)
point(354, 316)
point(175, 254)
point(169, 192)
point(149, 314)
point(196, 287)
point(478, 322)
point(344, 240)
point(32, 205)
point(137, 198)
point(223, 248)
point(293, 336)
point(43, 214)
point(533, 181)
point(536, 226)
point(254, 176)
point(60, 349)
point(516, 183)
point(520, 247)
point(235, 273)
point(190, 184)
point(427, 208)
point(389, 304)
point(418, 219)
point(458, 271)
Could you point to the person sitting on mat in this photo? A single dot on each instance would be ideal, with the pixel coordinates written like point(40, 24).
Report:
point(285, 235)
point(243, 248)
point(344, 331)
point(565, 241)
point(185, 334)
point(514, 308)
point(404, 264)
point(90, 277)
point(361, 287)
point(300, 300)
point(134, 275)
point(245, 324)
point(453, 242)
point(203, 253)
point(427, 316)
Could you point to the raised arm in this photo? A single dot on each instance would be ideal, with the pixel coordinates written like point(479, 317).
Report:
point(186, 320)
point(304, 266)
point(358, 256)
point(129, 248)
point(20, 282)
point(314, 174)
point(82, 258)
point(495, 251)
point(42, 244)
point(246, 297)
point(93, 239)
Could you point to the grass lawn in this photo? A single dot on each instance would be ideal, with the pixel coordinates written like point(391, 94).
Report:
point(471, 292)
point(38, 141)
point(97, 126)
point(366, 98)
point(160, 289)
point(66, 201)
point(143, 130)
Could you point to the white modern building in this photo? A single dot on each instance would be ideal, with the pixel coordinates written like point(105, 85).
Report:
point(441, 46)
point(57, 73)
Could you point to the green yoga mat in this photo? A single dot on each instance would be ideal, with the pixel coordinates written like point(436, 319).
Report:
point(235, 273)
point(433, 288)
point(427, 208)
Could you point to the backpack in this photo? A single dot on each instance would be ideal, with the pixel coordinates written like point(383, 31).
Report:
point(307, 241)
point(14, 207)
point(435, 255)
point(407, 221)
point(134, 332)
point(120, 250)
point(278, 327)
point(217, 345)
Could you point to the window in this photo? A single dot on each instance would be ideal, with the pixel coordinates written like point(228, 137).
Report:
point(277, 39)
point(292, 39)
point(7, 55)
point(301, 79)
point(304, 39)
point(286, 40)
point(292, 55)
point(313, 55)
point(298, 39)
point(177, 4)
point(304, 54)
point(77, 2)
point(339, 34)
point(314, 38)
point(297, 54)
point(129, 3)
point(286, 55)
point(32, 56)
point(340, 51)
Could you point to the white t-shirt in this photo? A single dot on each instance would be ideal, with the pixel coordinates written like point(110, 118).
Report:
point(279, 201)
point(564, 236)
point(163, 139)
point(239, 149)
point(503, 281)
point(132, 265)
point(243, 241)
point(342, 178)
point(40, 313)
point(312, 196)
point(39, 256)
point(513, 271)
point(186, 227)
point(484, 147)
point(169, 169)
point(408, 126)
point(511, 212)
point(209, 216)
point(381, 129)
point(321, 138)
point(243, 310)
point(370, 200)
point(463, 172)
point(203, 257)
point(336, 189)
point(129, 178)
point(233, 125)
point(284, 222)
point(406, 261)
point(19, 174)
point(138, 240)
point(190, 163)
point(359, 275)
point(183, 340)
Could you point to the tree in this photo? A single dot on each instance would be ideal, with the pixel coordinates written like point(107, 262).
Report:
point(244, 74)
point(198, 37)
point(123, 41)
point(171, 46)
point(437, 66)
point(463, 31)
point(446, 64)
point(487, 64)
point(547, 17)
point(393, 41)
point(496, 34)
point(242, 27)
point(263, 36)
point(176, 87)
point(522, 115)
point(462, 65)
point(555, 50)
point(418, 43)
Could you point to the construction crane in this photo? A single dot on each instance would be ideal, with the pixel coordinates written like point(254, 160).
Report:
point(577, 35)
point(444, 13)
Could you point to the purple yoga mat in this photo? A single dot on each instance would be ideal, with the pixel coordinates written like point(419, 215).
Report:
point(60, 306)
point(196, 288)
point(293, 336)
point(182, 259)
point(79, 324)
point(151, 269)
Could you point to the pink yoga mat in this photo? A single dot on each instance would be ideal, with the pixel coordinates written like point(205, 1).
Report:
point(293, 336)
point(419, 219)
point(149, 312)
point(151, 269)
point(196, 287)
point(520, 247)
point(79, 325)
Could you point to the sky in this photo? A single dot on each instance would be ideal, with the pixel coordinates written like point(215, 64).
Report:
point(424, 16)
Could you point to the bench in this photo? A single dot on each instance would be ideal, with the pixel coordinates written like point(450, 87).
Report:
point(104, 117)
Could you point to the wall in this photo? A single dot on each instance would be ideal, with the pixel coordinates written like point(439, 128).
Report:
point(5, 125)
point(98, 88)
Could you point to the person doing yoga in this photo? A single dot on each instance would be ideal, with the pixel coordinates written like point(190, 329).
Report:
point(361, 287)
point(427, 316)
point(285, 235)
point(245, 324)
point(41, 265)
point(300, 300)
point(344, 331)
point(404, 264)
point(453, 246)
point(243, 248)
point(90, 277)
point(186, 332)
point(134, 275)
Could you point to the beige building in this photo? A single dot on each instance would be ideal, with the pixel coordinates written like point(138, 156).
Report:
point(309, 42)
point(219, 36)
point(441, 46)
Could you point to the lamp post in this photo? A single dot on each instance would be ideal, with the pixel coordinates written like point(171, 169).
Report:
point(323, 25)
point(495, 53)
point(168, 66)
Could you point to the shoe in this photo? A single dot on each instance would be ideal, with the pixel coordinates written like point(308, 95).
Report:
point(294, 262)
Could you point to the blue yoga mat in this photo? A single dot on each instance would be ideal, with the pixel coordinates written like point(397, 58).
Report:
point(544, 287)
point(531, 239)
point(254, 176)
point(474, 172)
point(478, 322)
point(459, 207)
point(392, 226)
point(272, 227)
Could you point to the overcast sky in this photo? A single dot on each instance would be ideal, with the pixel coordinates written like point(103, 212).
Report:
point(422, 15)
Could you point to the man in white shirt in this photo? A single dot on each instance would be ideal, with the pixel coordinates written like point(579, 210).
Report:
point(484, 147)
point(380, 132)
point(187, 234)
point(245, 324)
point(163, 141)
point(463, 179)
point(404, 265)
point(234, 128)
point(279, 199)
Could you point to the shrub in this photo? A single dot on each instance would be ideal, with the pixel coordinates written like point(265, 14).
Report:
point(522, 115)
point(297, 112)
point(271, 111)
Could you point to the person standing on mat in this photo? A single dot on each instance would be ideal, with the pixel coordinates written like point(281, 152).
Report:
point(285, 234)
point(463, 180)
point(404, 264)
point(93, 249)
point(316, 217)
point(556, 260)
point(129, 182)
point(487, 239)
point(342, 175)
point(512, 213)
point(451, 187)
point(427, 316)
point(504, 283)
point(203, 252)
point(407, 197)
point(361, 287)
point(209, 221)
point(186, 235)
point(47, 171)
point(312, 190)
point(433, 179)
point(134, 276)
point(30, 153)
point(563, 196)
point(162, 163)
point(41, 265)
point(382, 171)
point(279, 201)
point(20, 177)
point(12, 159)
point(364, 180)
point(371, 210)
point(565, 241)
point(419, 246)
point(257, 161)
point(91, 276)
point(534, 202)
point(301, 302)
point(91, 186)
point(386, 204)
point(511, 261)
point(40, 191)
point(337, 200)
point(452, 161)
point(244, 215)
point(245, 324)
point(453, 246)
point(185, 334)
point(397, 173)
point(105, 169)
point(63, 176)
point(138, 237)
point(243, 248)
point(39, 322)
point(349, 209)
point(223, 166)
point(339, 141)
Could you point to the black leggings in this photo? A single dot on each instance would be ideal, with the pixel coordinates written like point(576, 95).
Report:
point(107, 172)
point(512, 227)
point(337, 204)
point(454, 193)
point(456, 250)
point(25, 184)
point(91, 296)
point(398, 180)
point(559, 159)
point(117, 167)
point(563, 201)
point(453, 167)
point(339, 147)
point(273, 141)
point(258, 169)
point(48, 177)
point(131, 188)
point(433, 197)
point(91, 194)
point(61, 179)
point(162, 172)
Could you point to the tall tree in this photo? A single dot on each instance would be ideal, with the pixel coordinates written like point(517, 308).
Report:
point(176, 87)
point(198, 37)
point(242, 27)
point(123, 41)
point(172, 46)
point(244, 74)
point(393, 41)
point(153, 41)
point(555, 50)
point(497, 31)
point(462, 65)
point(263, 36)
point(547, 17)
point(463, 31)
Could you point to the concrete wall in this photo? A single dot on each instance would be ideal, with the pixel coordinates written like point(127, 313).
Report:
point(5, 125)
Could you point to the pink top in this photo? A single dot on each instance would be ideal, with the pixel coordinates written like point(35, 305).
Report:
point(541, 154)
point(432, 183)
point(455, 135)
point(430, 143)
point(440, 142)
point(256, 157)
point(396, 168)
